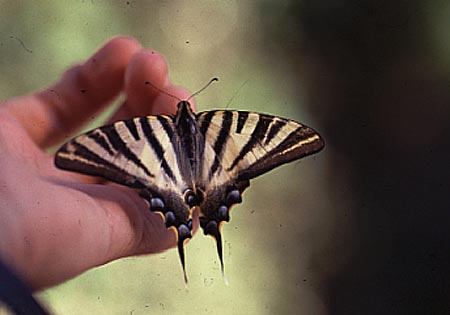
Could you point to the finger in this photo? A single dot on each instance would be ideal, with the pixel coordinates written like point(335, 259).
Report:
point(113, 221)
point(147, 87)
point(147, 229)
point(144, 66)
point(52, 114)
point(136, 230)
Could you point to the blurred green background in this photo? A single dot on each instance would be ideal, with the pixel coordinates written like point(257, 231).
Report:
point(361, 228)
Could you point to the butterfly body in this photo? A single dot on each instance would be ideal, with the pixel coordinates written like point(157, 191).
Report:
point(187, 161)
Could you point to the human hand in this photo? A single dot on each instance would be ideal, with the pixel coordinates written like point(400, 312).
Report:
point(54, 224)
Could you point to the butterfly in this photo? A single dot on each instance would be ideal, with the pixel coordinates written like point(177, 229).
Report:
point(190, 160)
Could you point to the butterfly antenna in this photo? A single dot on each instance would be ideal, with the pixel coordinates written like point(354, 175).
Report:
point(236, 93)
point(207, 84)
point(162, 91)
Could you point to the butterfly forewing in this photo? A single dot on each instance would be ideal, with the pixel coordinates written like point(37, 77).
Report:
point(255, 143)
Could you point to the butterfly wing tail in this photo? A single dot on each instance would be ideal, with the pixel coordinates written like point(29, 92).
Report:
point(183, 234)
point(215, 211)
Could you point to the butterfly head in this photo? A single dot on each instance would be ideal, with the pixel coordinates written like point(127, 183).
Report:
point(184, 109)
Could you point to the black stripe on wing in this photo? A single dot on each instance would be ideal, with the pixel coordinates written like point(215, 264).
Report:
point(255, 138)
point(166, 123)
point(274, 129)
point(242, 118)
point(100, 139)
point(207, 117)
point(119, 145)
point(131, 125)
point(155, 144)
point(220, 143)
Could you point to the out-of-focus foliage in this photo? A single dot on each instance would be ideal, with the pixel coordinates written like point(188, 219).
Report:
point(377, 76)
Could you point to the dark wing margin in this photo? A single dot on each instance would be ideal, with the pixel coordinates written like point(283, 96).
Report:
point(302, 142)
point(74, 156)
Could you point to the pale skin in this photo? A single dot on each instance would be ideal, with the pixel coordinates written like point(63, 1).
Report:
point(55, 224)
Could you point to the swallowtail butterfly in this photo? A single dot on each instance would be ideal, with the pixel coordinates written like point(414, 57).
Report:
point(188, 160)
